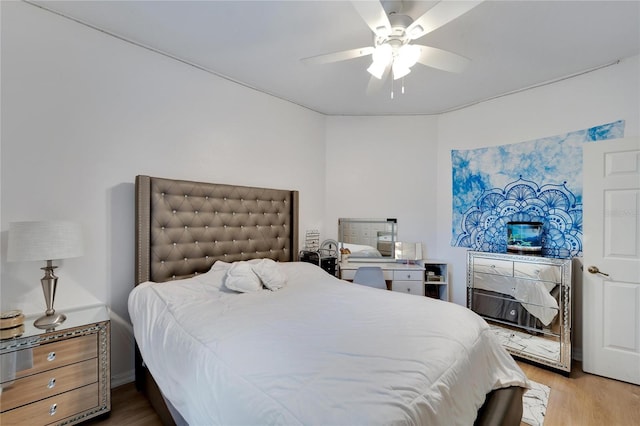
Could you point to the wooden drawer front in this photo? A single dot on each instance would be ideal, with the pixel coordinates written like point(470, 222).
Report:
point(58, 354)
point(53, 409)
point(408, 275)
point(411, 287)
point(49, 383)
point(538, 271)
point(493, 266)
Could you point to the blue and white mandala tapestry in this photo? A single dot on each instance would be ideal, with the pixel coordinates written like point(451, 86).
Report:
point(537, 181)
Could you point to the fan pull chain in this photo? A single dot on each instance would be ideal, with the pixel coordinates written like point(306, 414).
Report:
point(401, 89)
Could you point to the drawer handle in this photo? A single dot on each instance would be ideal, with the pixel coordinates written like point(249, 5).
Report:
point(51, 356)
point(408, 290)
point(53, 409)
point(52, 383)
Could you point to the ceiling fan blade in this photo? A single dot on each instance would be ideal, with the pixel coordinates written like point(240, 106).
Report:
point(441, 59)
point(374, 15)
point(376, 84)
point(339, 56)
point(439, 15)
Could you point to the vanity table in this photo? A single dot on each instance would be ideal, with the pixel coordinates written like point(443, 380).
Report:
point(406, 278)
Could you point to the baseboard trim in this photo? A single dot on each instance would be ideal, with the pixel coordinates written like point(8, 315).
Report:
point(576, 354)
point(122, 378)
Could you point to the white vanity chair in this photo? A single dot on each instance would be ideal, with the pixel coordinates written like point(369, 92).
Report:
point(371, 276)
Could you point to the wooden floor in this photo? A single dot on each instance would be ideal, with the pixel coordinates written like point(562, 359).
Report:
point(579, 400)
point(586, 400)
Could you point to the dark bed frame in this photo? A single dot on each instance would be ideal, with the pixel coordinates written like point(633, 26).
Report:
point(183, 227)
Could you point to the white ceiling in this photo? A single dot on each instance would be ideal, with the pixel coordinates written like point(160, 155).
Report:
point(513, 45)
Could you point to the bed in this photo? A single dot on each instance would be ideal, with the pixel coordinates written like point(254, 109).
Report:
point(316, 350)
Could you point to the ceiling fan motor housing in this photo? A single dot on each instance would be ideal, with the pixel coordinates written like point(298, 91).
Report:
point(398, 36)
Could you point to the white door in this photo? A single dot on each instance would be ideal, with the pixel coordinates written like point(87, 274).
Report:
point(611, 297)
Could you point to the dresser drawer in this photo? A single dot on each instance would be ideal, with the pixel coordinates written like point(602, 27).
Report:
point(537, 271)
point(53, 409)
point(411, 287)
point(408, 275)
point(64, 352)
point(493, 266)
point(49, 383)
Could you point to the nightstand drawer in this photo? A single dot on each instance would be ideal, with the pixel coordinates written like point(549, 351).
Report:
point(58, 354)
point(408, 275)
point(53, 409)
point(49, 383)
point(411, 287)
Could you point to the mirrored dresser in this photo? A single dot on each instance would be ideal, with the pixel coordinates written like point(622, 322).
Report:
point(59, 376)
point(527, 301)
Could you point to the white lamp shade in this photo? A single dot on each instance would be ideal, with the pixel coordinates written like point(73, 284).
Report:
point(47, 240)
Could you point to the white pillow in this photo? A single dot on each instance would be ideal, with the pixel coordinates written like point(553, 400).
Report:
point(270, 274)
point(219, 265)
point(240, 277)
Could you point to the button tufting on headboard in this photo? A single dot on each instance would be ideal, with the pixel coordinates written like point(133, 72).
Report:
point(182, 227)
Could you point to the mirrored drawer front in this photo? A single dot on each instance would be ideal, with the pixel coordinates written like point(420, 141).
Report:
point(53, 409)
point(408, 275)
point(58, 354)
point(49, 383)
point(493, 266)
point(537, 271)
point(411, 287)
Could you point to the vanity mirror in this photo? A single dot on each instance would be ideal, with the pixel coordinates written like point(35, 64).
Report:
point(368, 239)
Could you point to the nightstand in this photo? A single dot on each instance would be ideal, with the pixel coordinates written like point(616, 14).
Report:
point(60, 376)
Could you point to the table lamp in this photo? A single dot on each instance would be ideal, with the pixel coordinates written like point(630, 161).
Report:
point(45, 240)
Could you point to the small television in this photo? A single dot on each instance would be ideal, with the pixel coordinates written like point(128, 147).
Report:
point(524, 237)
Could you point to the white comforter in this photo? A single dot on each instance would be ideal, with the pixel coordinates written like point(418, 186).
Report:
point(319, 351)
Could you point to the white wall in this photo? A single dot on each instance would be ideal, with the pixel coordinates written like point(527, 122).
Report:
point(382, 167)
point(83, 113)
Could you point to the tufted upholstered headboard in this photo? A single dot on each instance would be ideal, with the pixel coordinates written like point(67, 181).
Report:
point(183, 227)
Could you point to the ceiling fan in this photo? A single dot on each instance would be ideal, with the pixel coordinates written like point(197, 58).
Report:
point(393, 51)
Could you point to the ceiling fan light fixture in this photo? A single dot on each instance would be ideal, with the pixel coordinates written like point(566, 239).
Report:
point(382, 57)
point(383, 54)
point(408, 55)
point(376, 69)
point(399, 70)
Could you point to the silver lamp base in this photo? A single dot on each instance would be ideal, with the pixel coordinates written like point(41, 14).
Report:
point(49, 282)
point(50, 321)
